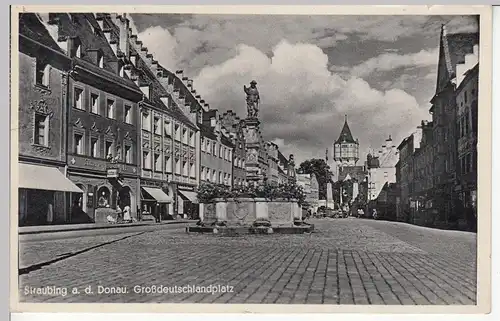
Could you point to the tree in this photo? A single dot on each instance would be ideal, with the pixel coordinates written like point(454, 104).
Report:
point(319, 168)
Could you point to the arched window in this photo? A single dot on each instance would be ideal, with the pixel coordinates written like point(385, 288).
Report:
point(103, 197)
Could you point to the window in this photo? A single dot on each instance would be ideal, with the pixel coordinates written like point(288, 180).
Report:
point(167, 129)
point(78, 144)
point(156, 125)
point(109, 149)
point(214, 148)
point(465, 96)
point(94, 103)
point(119, 153)
point(42, 73)
point(41, 130)
point(146, 125)
point(192, 170)
point(122, 71)
point(128, 114)
point(110, 108)
point(157, 162)
point(467, 120)
point(221, 181)
point(100, 60)
point(177, 132)
point(168, 163)
point(128, 154)
point(221, 151)
point(178, 166)
point(191, 139)
point(146, 162)
point(185, 168)
point(202, 144)
point(94, 147)
point(77, 98)
point(214, 176)
point(76, 48)
point(202, 173)
point(184, 136)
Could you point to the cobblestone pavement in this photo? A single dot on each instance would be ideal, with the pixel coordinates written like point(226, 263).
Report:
point(345, 261)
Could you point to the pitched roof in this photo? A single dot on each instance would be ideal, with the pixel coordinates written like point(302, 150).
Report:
point(453, 48)
point(206, 131)
point(31, 27)
point(345, 135)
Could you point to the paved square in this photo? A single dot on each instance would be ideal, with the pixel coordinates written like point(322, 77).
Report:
point(345, 261)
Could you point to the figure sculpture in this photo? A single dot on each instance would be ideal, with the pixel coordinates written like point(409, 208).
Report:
point(253, 99)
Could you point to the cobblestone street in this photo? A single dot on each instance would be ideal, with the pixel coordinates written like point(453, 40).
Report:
point(344, 261)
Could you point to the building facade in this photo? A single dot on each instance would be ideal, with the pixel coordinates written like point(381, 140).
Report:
point(102, 117)
point(452, 51)
point(406, 183)
point(423, 159)
point(381, 168)
point(467, 123)
point(234, 126)
point(44, 190)
point(217, 150)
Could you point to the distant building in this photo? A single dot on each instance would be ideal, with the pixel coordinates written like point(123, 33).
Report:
point(346, 148)
point(406, 184)
point(234, 125)
point(310, 186)
point(381, 168)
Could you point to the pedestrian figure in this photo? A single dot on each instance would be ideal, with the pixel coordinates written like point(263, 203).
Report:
point(375, 215)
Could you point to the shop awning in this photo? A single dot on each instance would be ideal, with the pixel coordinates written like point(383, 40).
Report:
point(191, 196)
point(45, 178)
point(158, 194)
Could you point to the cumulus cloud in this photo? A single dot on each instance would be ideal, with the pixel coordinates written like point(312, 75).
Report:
point(303, 103)
point(390, 61)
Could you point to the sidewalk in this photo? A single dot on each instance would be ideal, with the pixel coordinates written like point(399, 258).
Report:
point(92, 226)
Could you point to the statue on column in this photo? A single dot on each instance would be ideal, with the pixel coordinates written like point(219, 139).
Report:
point(291, 167)
point(253, 99)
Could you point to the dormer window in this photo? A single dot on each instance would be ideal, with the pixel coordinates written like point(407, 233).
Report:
point(76, 48)
point(100, 60)
point(145, 91)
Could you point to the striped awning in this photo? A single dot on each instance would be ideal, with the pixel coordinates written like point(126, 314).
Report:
point(45, 178)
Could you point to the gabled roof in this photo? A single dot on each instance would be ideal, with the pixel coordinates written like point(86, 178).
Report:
point(31, 27)
point(345, 135)
point(355, 172)
point(206, 131)
point(452, 51)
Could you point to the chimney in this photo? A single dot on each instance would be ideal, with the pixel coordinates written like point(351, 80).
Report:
point(190, 83)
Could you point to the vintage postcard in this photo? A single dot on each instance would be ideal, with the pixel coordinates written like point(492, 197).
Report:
point(251, 159)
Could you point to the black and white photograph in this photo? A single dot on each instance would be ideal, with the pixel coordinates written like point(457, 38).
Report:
point(249, 158)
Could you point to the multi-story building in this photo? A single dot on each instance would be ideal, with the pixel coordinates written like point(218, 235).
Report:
point(310, 187)
point(43, 76)
point(452, 51)
point(422, 173)
point(282, 168)
point(467, 122)
point(170, 139)
point(273, 159)
point(234, 125)
point(102, 116)
point(381, 168)
point(406, 183)
point(217, 150)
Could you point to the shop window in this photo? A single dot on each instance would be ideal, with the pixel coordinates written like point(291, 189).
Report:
point(94, 147)
point(42, 73)
point(128, 114)
point(104, 197)
point(78, 144)
point(41, 130)
point(77, 98)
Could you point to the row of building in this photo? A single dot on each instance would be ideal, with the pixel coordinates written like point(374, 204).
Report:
point(103, 126)
point(437, 168)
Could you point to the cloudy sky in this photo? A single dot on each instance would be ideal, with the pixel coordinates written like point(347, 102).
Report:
point(380, 71)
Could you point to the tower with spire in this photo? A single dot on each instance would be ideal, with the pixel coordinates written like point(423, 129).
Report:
point(346, 148)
